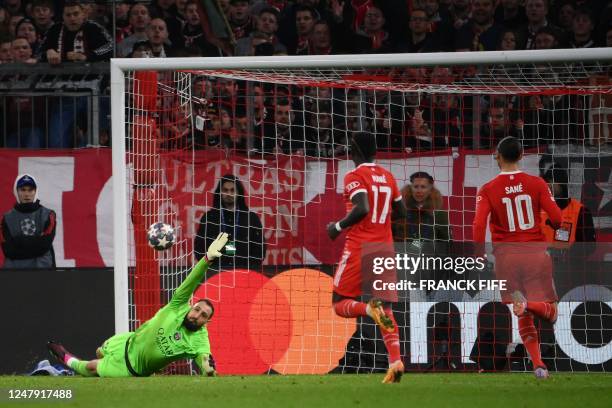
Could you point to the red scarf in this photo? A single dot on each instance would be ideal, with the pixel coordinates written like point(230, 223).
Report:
point(360, 11)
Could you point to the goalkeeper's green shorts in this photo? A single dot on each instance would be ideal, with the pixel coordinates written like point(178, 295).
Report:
point(113, 362)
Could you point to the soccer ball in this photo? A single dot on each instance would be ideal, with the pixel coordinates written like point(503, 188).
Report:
point(161, 236)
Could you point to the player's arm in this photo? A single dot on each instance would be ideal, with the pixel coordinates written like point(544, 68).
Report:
point(483, 209)
point(360, 209)
point(547, 202)
point(183, 293)
point(399, 208)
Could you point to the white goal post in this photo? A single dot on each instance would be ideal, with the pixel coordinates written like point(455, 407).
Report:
point(292, 69)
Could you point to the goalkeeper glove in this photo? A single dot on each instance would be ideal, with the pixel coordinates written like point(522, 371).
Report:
point(208, 364)
point(214, 250)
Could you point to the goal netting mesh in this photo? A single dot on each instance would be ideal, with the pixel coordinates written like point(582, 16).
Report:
point(261, 154)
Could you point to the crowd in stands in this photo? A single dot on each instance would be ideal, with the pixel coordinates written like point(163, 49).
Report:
point(85, 31)
point(54, 32)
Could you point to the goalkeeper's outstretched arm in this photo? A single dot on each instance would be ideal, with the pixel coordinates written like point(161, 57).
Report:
point(183, 293)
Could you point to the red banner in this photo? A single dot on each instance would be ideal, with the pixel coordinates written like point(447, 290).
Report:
point(77, 185)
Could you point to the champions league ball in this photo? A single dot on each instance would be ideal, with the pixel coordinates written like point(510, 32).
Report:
point(161, 236)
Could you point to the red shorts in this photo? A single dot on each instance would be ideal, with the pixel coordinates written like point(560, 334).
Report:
point(529, 272)
point(355, 277)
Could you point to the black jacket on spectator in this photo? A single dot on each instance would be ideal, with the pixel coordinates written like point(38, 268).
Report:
point(93, 40)
point(428, 44)
point(488, 40)
point(27, 236)
point(513, 23)
point(288, 139)
point(194, 37)
point(242, 225)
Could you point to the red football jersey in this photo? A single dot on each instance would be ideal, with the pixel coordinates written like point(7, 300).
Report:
point(514, 200)
point(381, 188)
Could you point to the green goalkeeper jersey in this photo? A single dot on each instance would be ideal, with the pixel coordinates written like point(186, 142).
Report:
point(163, 339)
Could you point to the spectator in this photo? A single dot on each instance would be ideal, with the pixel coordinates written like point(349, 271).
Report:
point(240, 135)
point(263, 40)
point(432, 11)
point(420, 39)
point(320, 41)
point(322, 10)
point(157, 33)
point(14, 7)
point(282, 135)
point(426, 226)
point(28, 229)
point(609, 37)
point(26, 29)
point(43, 14)
point(76, 39)
point(239, 19)
point(193, 35)
point(225, 6)
point(305, 18)
point(537, 18)
point(101, 13)
point(577, 220)
point(480, 33)
point(6, 55)
point(167, 11)
point(511, 14)
point(4, 19)
point(22, 52)
point(181, 6)
point(582, 29)
point(498, 124)
point(460, 12)
point(322, 139)
point(371, 37)
point(565, 14)
point(547, 38)
point(229, 213)
point(509, 41)
point(12, 24)
point(123, 28)
point(139, 19)
point(141, 50)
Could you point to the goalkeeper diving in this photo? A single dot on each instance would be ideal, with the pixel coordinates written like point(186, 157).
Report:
point(177, 331)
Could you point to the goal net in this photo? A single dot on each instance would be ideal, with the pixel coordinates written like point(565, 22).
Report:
point(259, 148)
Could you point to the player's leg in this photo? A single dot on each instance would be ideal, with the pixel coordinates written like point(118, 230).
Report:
point(392, 344)
point(347, 286)
point(529, 335)
point(82, 367)
point(540, 296)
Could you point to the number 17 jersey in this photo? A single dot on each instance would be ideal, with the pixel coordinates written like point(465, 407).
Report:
point(381, 189)
point(514, 200)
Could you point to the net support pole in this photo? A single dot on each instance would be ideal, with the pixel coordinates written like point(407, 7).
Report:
point(120, 227)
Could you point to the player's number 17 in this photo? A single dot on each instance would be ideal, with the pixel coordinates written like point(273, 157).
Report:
point(524, 212)
point(376, 190)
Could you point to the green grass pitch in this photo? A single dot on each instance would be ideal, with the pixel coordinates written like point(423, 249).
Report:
point(415, 391)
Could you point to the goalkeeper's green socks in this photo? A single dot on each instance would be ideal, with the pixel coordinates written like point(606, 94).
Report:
point(80, 367)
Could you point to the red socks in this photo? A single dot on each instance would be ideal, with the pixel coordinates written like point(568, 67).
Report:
point(544, 310)
point(350, 308)
point(529, 334)
point(392, 339)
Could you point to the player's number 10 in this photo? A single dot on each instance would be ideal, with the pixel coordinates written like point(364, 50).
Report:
point(386, 190)
point(522, 202)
